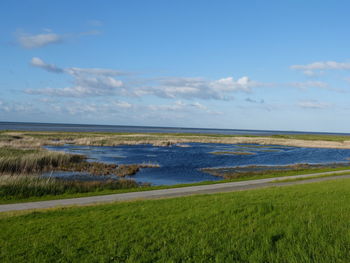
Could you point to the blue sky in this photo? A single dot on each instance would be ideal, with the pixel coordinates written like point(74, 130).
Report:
point(276, 65)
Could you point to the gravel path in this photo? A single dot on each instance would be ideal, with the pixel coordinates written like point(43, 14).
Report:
point(173, 192)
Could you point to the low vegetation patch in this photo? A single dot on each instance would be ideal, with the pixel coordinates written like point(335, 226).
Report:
point(260, 172)
point(233, 153)
point(97, 168)
point(313, 137)
point(21, 186)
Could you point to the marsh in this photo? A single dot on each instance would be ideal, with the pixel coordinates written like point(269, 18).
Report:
point(179, 165)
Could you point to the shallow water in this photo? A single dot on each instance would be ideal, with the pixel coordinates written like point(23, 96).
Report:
point(182, 164)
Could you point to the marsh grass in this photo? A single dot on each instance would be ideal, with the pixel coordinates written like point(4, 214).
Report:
point(97, 168)
point(233, 153)
point(25, 161)
point(260, 172)
point(30, 161)
point(36, 139)
point(321, 137)
point(25, 186)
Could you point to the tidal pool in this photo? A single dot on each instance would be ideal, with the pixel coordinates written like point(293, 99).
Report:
point(180, 164)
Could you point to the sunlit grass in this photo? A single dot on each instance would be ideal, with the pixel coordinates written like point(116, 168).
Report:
point(304, 223)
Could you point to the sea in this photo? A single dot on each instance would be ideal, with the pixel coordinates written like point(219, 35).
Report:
point(31, 126)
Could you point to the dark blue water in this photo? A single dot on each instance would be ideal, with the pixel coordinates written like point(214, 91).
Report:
point(27, 126)
point(182, 164)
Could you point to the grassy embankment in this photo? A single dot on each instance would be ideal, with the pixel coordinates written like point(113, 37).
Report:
point(304, 223)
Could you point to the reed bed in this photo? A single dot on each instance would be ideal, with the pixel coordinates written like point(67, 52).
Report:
point(29, 161)
point(97, 168)
point(25, 186)
point(25, 161)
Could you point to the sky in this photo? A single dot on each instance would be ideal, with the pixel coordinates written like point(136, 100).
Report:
point(266, 65)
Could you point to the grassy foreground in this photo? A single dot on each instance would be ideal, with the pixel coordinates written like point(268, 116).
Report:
point(304, 223)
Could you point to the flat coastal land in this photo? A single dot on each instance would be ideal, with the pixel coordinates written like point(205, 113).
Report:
point(37, 139)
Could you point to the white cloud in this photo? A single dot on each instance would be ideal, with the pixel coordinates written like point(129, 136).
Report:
point(190, 88)
point(323, 65)
point(102, 82)
point(255, 101)
point(315, 84)
point(309, 84)
point(121, 104)
point(39, 40)
point(16, 107)
point(199, 106)
point(88, 82)
point(94, 71)
point(180, 106)
point(77, 107)
point(310, 69)
point(312, 104)
point(37, 62)
point(47, 37)
point(311, 73)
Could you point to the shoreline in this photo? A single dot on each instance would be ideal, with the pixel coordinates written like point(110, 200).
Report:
point(39, 139)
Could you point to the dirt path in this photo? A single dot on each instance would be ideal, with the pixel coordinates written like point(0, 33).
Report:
point(174, 192)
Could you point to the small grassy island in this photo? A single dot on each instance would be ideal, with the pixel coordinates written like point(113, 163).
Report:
point(233, 153)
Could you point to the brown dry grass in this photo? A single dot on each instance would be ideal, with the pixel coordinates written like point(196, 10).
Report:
point(38, 139)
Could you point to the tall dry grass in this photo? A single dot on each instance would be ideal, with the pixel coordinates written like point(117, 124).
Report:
point(24, 161)
point(25, 186)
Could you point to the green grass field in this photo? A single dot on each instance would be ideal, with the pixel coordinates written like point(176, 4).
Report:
point(303, 223)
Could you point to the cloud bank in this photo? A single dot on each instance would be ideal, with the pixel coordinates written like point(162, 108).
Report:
point(89, 82)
